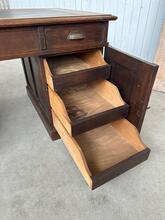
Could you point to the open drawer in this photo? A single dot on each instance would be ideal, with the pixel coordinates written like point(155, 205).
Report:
point(73, 69)
point(88, 106)
point(105, 152)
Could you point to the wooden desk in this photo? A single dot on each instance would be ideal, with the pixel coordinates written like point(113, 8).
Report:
point(37, 34)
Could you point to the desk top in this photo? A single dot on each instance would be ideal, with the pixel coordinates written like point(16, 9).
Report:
point(29, 17)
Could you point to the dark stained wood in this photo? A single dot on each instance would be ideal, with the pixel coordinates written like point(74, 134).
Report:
point(134, 78)
point(29, 74)
point(48, 125)
point(80, 77)
point(18, 42)
point(42, 39)
point(99, 119)
point(48, 31)
point(29, 17)
point(120, 168)
point(95, 36)
point(36, 41)
point(39, 81)
point(37, 91)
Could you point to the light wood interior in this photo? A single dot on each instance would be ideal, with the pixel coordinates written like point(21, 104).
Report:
point(48, 74)
point(75, 62)
point(99, 149)
point(74, 149)
point(79, 102)
point(110, 144)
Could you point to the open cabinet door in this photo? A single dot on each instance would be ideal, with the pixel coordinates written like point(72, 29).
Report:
point(134, 78)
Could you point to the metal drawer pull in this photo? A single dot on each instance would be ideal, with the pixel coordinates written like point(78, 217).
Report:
point(76, 35)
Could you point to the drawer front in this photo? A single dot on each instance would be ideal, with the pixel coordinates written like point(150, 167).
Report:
point(74, 37)
point(18, 42)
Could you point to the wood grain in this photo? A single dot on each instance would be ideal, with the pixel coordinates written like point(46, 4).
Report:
point(85, 101)
point(48, 74)
point(17, 42)
point(72, 63)
point(91, 98)
point(57, 36)
point(107, 145)
point(74, 69)
point(36, 32)
point(100, 149)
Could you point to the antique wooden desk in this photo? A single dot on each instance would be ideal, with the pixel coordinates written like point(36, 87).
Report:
point(91, 95)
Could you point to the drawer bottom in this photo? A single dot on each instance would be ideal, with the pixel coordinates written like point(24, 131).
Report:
point(104, 152)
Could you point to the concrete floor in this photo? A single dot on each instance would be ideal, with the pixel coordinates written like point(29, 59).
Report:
point(39, 180)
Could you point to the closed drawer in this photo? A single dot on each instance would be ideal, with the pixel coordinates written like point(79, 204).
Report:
point(105, 152)
point(87, 106)
point(18, 42)
point(74, 37)
point(74, 69)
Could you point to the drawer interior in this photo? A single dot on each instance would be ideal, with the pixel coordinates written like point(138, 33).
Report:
point(76, 104)
point(103, 148)
point(107, 145)
point(75, 62)
point(75, 69)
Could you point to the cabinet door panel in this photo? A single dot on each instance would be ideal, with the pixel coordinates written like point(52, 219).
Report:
point(134, 78)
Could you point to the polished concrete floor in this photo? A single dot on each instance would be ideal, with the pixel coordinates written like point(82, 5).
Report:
point(39, 180)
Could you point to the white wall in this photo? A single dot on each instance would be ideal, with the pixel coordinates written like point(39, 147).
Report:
point(137, 29)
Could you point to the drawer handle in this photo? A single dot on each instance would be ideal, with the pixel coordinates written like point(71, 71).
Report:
point(76, 35)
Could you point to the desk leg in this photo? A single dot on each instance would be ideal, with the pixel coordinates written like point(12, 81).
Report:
point(37, 92)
